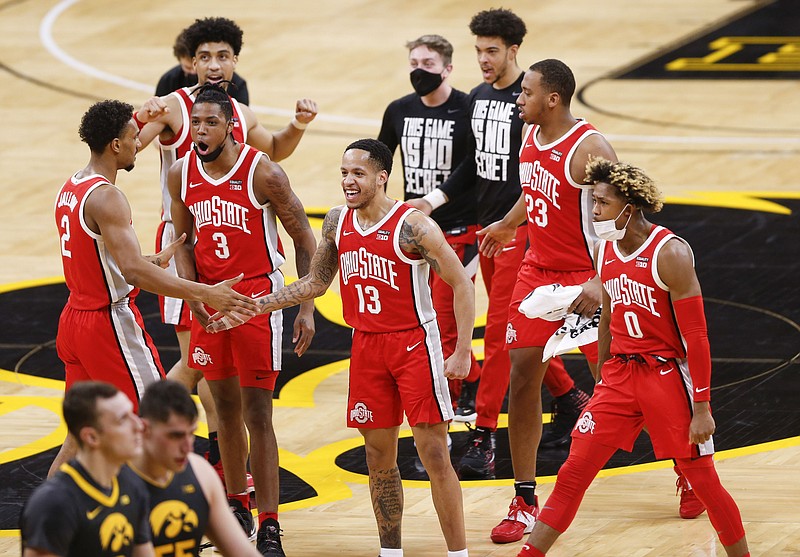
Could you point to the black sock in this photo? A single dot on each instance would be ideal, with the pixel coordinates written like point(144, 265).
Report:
point(213, 448)
point(526, 490)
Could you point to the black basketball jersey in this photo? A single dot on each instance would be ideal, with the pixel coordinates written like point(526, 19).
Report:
point(178, 513)
point(72, 515)
point(433, 141)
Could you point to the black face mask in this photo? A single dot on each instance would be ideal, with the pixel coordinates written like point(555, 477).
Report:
point(425, 82)
point(213, 155)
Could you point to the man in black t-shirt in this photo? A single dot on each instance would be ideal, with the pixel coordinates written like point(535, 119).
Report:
point(94, 506)
point(431, 127)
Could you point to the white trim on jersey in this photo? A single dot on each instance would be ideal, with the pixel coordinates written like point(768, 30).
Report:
point(276, 323)
point(237, 109)
point(268, 216)
point(227, 176)
point(173, 307)
point(568, 158)
point(433, 342)
point(135, 351)
point(706, 448)
point(339, 223)
point(420, 272)
point(251, 194)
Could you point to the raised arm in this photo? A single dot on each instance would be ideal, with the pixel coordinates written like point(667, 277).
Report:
point(421, 235)
point(281, 144)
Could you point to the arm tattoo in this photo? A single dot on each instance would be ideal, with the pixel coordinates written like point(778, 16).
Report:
point(386, 490)
point(411, 240)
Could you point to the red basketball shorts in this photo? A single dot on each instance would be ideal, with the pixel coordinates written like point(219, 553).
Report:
point(397, 372)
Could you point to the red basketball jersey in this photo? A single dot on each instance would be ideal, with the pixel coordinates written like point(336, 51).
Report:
point(383, 288)
point(93, 277)
point(642, 319)
point(234, 233)
point(559, 210)
point(181, 143)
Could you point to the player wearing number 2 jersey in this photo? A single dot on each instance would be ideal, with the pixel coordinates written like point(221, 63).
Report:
point(655, 358)
point(384, 251)
point(225, 198)
point(555, 204)
point(101, 333)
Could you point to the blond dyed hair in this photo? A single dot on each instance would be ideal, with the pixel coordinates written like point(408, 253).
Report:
point(635, 186)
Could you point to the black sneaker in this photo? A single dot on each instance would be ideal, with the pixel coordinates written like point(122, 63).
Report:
point(465, 410)
point(268, 541)
point(478, 462)
point(244, 517)
point(565, 409)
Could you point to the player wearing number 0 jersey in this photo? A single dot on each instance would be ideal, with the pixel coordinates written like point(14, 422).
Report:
point(174, 310)
point(655, 357)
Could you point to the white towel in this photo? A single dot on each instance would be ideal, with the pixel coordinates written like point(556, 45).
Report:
point(576, 331)
point(549, 302)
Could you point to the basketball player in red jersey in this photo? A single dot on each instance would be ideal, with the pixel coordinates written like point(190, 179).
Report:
point(556, 206)
point(384, 251)
point(214, 44)
point(101, 333)
point(655, 359)
point(225, 197)
point(493, 165)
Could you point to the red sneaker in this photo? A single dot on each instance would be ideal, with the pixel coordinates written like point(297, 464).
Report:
point(520, 520)
point(691, 506)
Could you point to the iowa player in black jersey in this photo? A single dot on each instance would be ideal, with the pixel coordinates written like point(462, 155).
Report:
point(94, 506)
point(431, 127)
point(187, 499)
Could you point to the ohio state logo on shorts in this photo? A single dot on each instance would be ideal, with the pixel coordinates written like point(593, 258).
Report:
point(511, 334)
point(201, 358)
point(585, 424)
point(360, 413)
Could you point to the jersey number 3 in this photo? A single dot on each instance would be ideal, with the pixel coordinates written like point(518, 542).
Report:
point(222, 250)
point(368, 299)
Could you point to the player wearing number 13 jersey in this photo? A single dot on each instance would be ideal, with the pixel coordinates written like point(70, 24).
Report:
point(384, 250)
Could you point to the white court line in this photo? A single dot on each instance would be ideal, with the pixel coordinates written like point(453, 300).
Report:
point(46, 37)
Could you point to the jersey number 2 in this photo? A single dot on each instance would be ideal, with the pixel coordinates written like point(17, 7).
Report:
point(368, 299)
point(65, 237)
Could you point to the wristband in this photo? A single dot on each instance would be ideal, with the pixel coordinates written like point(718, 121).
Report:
point(436, 198)
point(297, 124)
point(139, 123)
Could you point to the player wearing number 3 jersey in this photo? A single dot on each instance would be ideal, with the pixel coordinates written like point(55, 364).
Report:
point(384, 250)
point(226, 197)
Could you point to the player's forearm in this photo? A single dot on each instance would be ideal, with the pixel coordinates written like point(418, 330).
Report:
point(516, 215)
point(285, 142)
point(303, 290)
point(464, 310)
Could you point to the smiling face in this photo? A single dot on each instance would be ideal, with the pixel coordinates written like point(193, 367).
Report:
point(214, 62)
point(361, 181)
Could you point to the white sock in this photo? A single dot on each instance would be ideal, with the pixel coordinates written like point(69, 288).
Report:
point(391, 552)
point(461, 553)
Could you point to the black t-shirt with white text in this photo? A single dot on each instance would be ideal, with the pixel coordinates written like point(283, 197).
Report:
point(433, 141)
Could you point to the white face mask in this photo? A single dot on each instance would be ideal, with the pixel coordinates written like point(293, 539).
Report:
point(607, 229)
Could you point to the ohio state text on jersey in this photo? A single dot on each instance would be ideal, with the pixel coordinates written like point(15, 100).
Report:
point(559, 210)
point(642, 318)
point(383, 288)
point(234, 233)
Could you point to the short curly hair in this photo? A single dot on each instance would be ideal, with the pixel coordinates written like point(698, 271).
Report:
point(213, 93)
point(636, 187)
point(104, 122)
point(213, 30)
point(379, 154)
point(499, 23)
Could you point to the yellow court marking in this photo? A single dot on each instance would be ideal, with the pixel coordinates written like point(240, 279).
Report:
point(14, 403)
